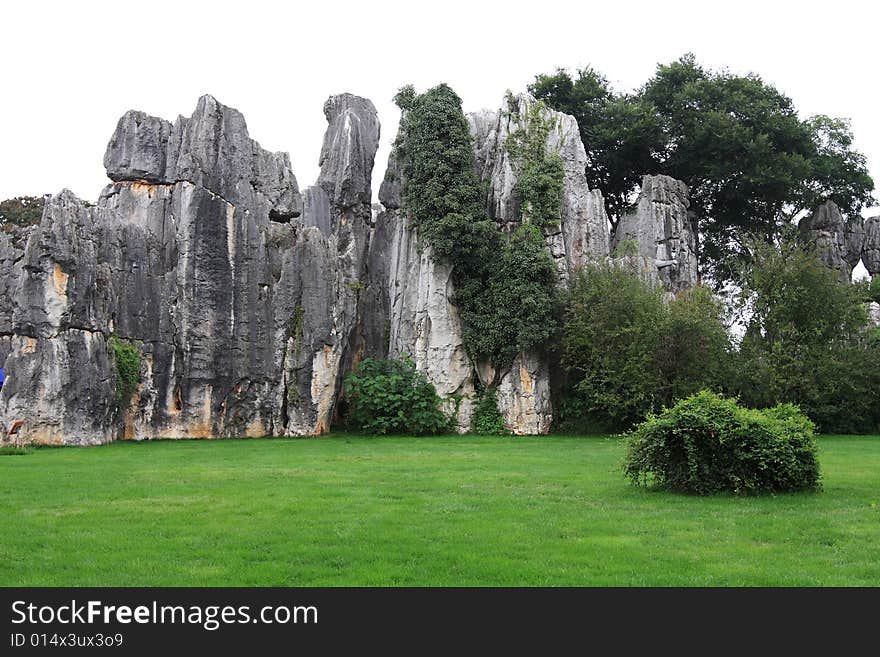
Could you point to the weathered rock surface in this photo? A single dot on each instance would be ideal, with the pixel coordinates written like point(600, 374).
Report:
point(582, 233)
point(242, 315)
point(662, 233)
point(12, 242)
point(839, 243)
point(874, 313)
point(871, 245)
point(248, 301)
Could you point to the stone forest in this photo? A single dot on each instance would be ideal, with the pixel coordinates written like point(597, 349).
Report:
point(205, 294)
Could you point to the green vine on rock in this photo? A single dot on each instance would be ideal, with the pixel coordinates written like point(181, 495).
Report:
point(127, 361)
point(539, 174)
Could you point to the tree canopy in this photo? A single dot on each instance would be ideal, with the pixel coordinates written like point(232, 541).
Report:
point(752, 165)
point(22, 210)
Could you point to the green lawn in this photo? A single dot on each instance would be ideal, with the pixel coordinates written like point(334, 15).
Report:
point(406, 511)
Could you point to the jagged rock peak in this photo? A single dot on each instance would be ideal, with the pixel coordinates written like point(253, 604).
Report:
point(871, 245)
point(211, 149)
point(838, 242)
point(349, 149)
point(662, 232)
point(582, 233)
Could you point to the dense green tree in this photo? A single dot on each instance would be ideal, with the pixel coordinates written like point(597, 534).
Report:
point(696, 350)
point(22, 210)
point(612, 334)
point(751, 163)
point(630, 350)
point(808, 341)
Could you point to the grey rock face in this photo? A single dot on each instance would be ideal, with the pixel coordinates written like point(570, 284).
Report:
point(349, 148)
point(423, 322)
point(874, 313)
point(138, 149)
point(839, 243)
point(210, 149)
point(871, 245)
point(243, 317)
point(661, 231)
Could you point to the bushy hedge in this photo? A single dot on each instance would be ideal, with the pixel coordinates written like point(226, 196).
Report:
point(391, 397)
point(708, 444)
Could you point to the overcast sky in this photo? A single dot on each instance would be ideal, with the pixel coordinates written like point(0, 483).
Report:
point(71, 69)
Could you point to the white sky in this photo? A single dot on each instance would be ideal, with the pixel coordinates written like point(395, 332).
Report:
point(69, 69)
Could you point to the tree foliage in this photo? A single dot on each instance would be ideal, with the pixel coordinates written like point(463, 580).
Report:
point(630, 351)
point(750, 162)
point(22, 211)
point(808, 341)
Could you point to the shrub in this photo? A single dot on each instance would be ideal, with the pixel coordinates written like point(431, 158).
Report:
point(127, 359)
point(390, 396)
point(487, 420)
point(11, 450)
point(708, 444)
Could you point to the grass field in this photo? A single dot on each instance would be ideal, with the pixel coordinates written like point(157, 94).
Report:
point(406, 511)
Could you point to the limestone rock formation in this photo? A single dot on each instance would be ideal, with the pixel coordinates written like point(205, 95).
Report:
point(839, 243)
point(12, 242)
point(582, 233)
point(408, 309)
point(871, 245)
point(662, 233)
point(248, 300)
point(242, 316)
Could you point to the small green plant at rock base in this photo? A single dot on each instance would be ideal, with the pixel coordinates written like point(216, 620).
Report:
point(709, 444)
point(487, 419)
point(127, 360)
point(392, 397)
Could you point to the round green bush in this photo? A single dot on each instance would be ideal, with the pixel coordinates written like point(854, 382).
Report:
point(708, 444)
point(391, 397)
